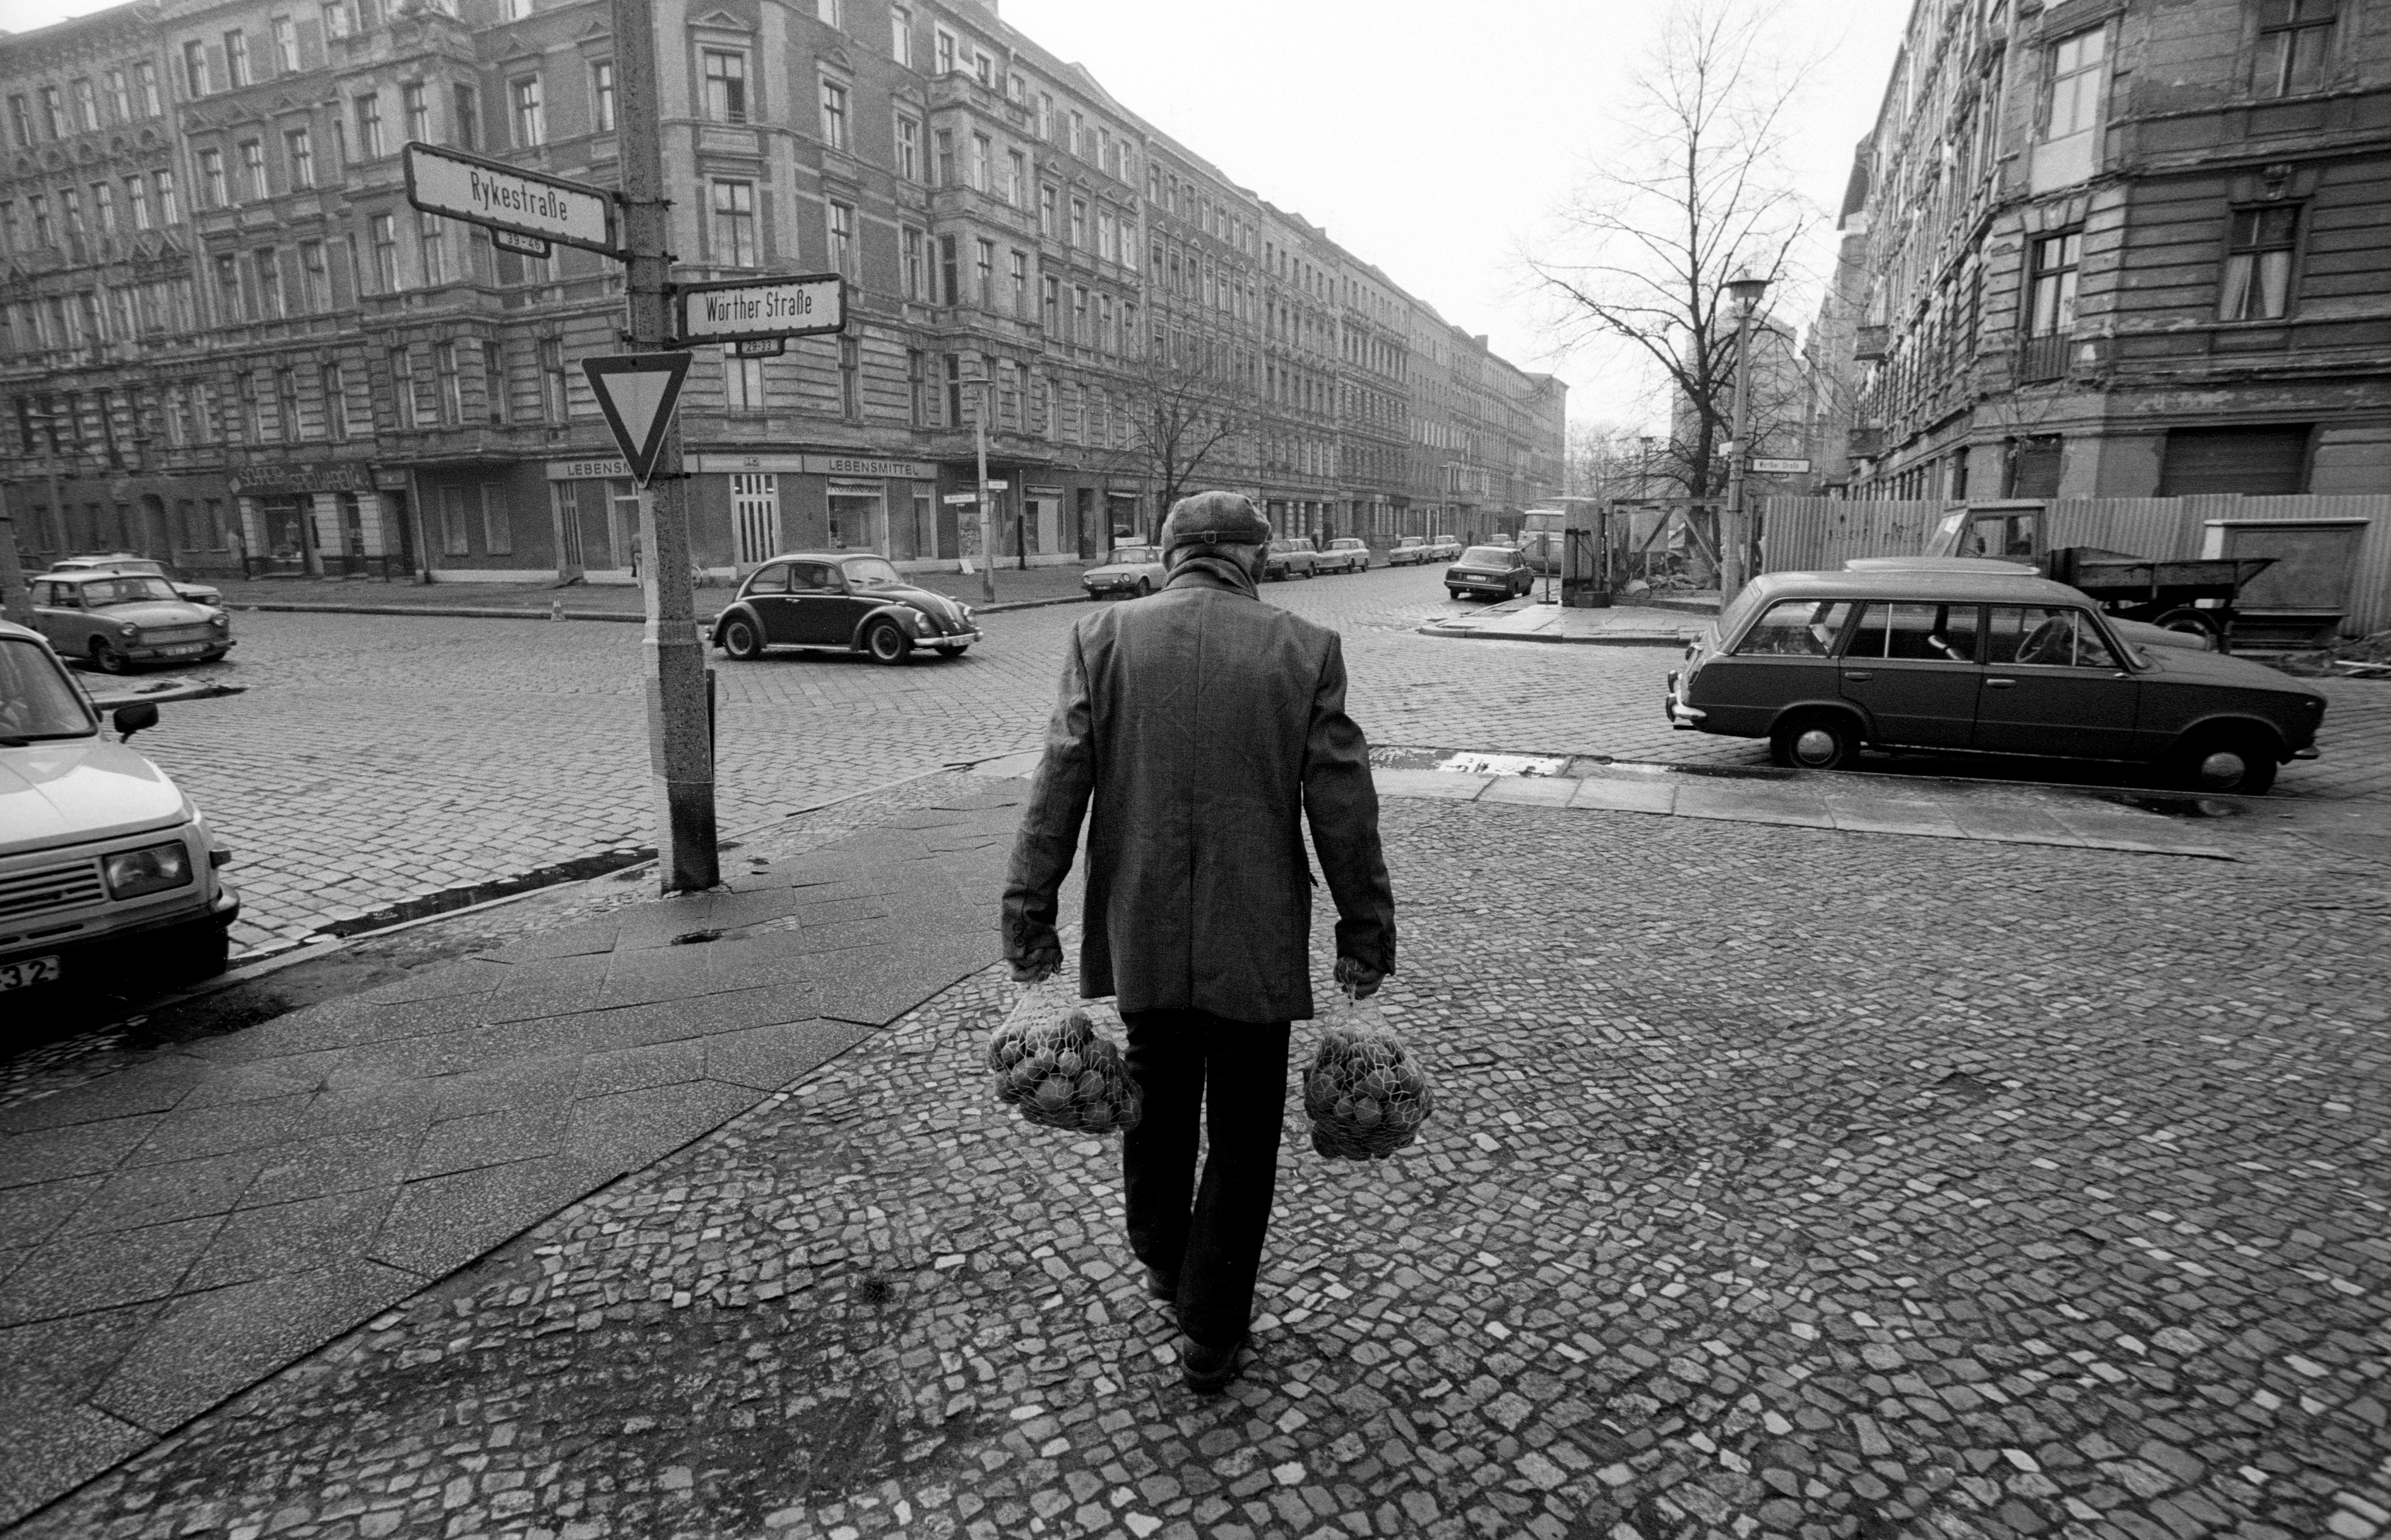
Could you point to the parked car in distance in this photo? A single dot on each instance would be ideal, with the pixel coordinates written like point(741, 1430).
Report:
point(1408, 551)
point(1292, 557)
point(1489, 572)
point(1348, 555)
point(1129, 571)
point(843, 601)
point(105, 865)
point(1443, 548)
point(115, 622)
point(125, 562)
point(1823, 663)
point(2142, 633)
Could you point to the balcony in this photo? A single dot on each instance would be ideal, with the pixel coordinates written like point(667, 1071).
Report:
point(2043, 359)
point(1866, 443)
point(1869, 343)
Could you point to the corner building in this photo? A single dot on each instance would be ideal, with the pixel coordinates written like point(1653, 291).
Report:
point(227, 339)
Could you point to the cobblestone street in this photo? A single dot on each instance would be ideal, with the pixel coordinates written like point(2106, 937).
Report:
point(1787, 1181)
point(375, 759)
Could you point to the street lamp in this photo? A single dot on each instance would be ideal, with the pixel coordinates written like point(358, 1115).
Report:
point(1745, 291)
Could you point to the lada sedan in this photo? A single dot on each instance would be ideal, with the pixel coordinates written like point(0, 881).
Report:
point(1821, 664)
point(1133, 572)
point(115, 621)
point(1489, 572)
point(1345, 556)
point(1292, 557)
point(1408, 551)
point(853, 603)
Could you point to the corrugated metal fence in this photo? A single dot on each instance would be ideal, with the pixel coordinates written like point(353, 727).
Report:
point(1821, 534)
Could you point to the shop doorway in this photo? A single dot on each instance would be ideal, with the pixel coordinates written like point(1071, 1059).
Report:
point(755, 515)
point(857, 517)
point(1045, 520)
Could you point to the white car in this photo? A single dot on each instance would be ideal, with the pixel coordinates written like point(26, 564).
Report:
point(1347, 555)
point(139, 566)
point(105, 865)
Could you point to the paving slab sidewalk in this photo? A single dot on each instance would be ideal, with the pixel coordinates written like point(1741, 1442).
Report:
point(179, 1230)
point(1530, 619)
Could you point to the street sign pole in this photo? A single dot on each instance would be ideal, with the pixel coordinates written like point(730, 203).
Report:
point(681, 743)
point(986, 518)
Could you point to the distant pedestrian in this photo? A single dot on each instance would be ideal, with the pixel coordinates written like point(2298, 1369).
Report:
point(1206, 728)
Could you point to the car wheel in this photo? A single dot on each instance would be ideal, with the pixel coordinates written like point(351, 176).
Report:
point(2233, 764)
point(1819, 741)
point(1143, 588)
point(107, 659)
point(1454, 592)
point(741, 639)
point(886, 643)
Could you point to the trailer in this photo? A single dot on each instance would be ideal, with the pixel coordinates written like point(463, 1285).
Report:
point(2194, 597)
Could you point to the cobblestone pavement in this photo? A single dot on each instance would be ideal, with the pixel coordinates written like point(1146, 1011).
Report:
point(375, 759)
point(1801, 1182)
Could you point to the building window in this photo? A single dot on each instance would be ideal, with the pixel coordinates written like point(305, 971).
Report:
point(1016, 181)
point(314, 280)
point(901, 34)
point(1045, 117)
point(2293, 36)
point(381, 234)
point(726, 86)
point(195, 69)
point(336, 19)
point(909, 148)
point(432, 244)
point(1080, 315)
point(87, 102)
point(917, 278)
point(945, 49)
point(253, 170)
point(833, 114)
point(465, 116)
point(742, 384)
point(270, 285)
point(1047, 223)
point(982, 68)
point(236, 45)
point(2257, 284)
point(1052, 311)
point(981, 153)
point(1078, 133)
point(551, 379)
point(842, 240)
point(120, 97)
point(954, 367)
point(452, 383)
point(368, 114)
point(145, 87)
point(169, 211)
point(498, 520)
point(951, 283)
point(1021, 285)
point(43, 234)
point(602, 92)
point(1107, 236)
point(530, 123)
point(402, 385)
point(301, 154)
point(984, 272)
point(734, 224)
point(252, 411)
point(285, 404)
point(103, 204)
point(336, 402)
point(214, 191)
point(850, 379)
point(2075, 71)
point(2051, 298)
point(286, 45)
point(416, 104)
point(136, 201)
point(1079, 240)
point(494, 381)
point(917, 403)
point(945, 145)
point(455, 539)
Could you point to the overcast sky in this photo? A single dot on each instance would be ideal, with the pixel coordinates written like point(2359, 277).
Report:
point(1429, 140)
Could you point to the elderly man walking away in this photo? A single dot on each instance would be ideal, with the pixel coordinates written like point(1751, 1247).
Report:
point(1205, 727)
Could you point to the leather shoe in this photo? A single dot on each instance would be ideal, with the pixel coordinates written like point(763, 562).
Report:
point(1163, 1289)
point(1207, 1370)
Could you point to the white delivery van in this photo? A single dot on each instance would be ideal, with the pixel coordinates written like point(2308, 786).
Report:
point(106, 871)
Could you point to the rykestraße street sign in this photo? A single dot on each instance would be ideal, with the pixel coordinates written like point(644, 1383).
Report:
point(741, 309)
point(507, 198)
point(637, 392)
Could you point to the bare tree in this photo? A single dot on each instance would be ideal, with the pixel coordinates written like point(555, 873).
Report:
point(1189, 408)
point(1694, 193)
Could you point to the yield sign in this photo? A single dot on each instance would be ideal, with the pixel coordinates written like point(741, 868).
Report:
point(638, 391)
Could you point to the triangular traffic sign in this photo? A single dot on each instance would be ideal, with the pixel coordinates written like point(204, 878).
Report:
point(638, 391)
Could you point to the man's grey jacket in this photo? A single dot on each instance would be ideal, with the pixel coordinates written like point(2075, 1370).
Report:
point(1207, 727)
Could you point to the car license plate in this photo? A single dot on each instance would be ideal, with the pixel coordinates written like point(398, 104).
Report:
point(32, 971)
point(184, 649)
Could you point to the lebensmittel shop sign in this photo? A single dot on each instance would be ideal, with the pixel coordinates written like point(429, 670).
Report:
point(741, 308)
point(505, 197)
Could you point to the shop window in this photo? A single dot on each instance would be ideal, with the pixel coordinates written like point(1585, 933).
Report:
point(497, 522)
point(455, 539)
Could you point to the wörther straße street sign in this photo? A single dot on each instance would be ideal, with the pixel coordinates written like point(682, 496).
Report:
point(737, 309)
point(506, 197)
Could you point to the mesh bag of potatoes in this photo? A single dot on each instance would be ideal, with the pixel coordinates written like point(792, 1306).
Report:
point(1054, 1067)
point(1365, 1093)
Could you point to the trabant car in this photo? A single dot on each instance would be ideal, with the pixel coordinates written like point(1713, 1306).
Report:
point(1489, 572)
point(145, 566)
point(1346, 556)
point(1132, 571)
point(1443, 548)
point(115, 621)
point(1292, 557)
point(1822, 663)
point(840, 599)
point(105, 867)
point(1408, 551)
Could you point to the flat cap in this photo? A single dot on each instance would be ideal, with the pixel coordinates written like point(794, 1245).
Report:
point(1214, 519)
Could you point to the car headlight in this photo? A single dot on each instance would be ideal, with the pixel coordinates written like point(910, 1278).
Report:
point(151, 869)
point(221, 622)
point(126, 629)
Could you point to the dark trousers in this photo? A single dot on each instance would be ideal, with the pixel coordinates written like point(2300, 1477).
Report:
point(1208, 1237)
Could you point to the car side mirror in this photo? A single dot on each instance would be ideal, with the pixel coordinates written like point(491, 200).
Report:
point(136, 717)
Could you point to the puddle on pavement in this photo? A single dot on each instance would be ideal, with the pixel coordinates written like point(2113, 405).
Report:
point(2174, 807)
point(1504, 764)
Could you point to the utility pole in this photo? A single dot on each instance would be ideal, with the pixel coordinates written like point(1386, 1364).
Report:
point(681, 739)
point(986, 513)
point(1746, 290)
point(16, 599)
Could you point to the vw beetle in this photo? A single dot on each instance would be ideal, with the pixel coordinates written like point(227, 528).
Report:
point(855, 604)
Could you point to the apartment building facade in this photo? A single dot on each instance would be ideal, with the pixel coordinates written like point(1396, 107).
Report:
point(226, 338)
point(2119, 248)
